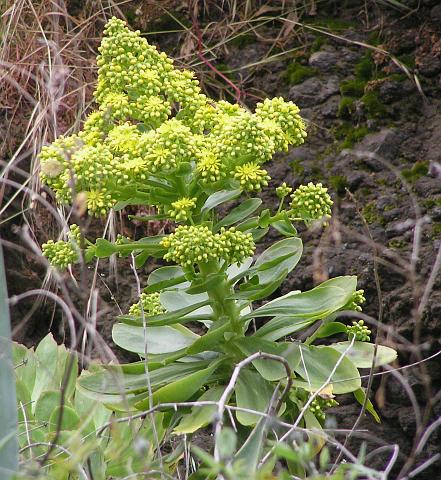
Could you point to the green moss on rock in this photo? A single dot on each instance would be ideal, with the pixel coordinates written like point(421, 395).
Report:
point(297, 73)
point(243, 40)
point(397, 244)
point(352, 88)
point(346, 107)
point(365, 68)
point(372, 215)
point(297, 167)
point(332, 23)
point(374, 107)
point(419, 169)
point(318, 43)
point(339, 184)
point(350, 135)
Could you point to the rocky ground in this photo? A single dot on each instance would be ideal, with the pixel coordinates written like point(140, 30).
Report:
point(368, 81)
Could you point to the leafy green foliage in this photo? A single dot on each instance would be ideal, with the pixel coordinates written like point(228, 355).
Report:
point(73, 421)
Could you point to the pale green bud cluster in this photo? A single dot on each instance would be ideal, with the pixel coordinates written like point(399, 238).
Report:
point(54, 163)
point(359, 330)
point(127, 63)
point(283, 190)
point(150, 303)
point(190, 245)
point(181, 209)
point(356, 301)
point(319, 404)
point(311, 202)
point(61, 254)
point(152, 123)
point(290, 128)
point(234, 246)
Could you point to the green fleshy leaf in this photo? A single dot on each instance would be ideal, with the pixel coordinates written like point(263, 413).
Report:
point(271, 370)
point(239, 213)
point(219, 197)
point(253, 393)
point(69, 420)
point(181, 389)
point(331, 328)
point(200, 416)
point(159, 340)
point(362, 353)
point(317, 303)
point(360, 396)
point(285, 227)
point(316, 365)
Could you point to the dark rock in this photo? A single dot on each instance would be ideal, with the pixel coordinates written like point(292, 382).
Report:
point(406, 417)
point(393, 214)
point(406, 43)
point(435, 169)
point(313, 91)
point(429, 65)
point(435, 13)
point(347, 56)
point(399, 227)
point(386, 201)
point(301, 153)
point(436, 214)
point(383, 144)
point(428, 186)
point(392, 90)
point(330, 108)
point(356, 179)
point(323, 60)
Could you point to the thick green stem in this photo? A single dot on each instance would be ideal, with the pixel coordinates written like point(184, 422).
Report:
point(223, 307)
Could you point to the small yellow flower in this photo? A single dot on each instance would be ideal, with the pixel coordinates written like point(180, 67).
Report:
point(251, 176)
point(210, 167)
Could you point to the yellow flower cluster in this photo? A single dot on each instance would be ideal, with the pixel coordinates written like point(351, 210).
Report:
point(152, 121)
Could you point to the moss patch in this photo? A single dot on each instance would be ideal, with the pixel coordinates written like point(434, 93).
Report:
point(243, 40)
point(297, 167)
point(339, 183)
point(374, 107)
point(436, 231)
point(419, 169)
point(297, 73)
point(352, 88)
point(397, 244)
point(332, 23)
point(346, 107)
point(318, 43)
point(350, 135)
point(372, 215)
point(365, 68)
point(408, 60)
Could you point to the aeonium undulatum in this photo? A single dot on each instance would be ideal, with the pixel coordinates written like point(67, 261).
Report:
point(156, 140)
